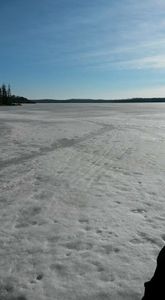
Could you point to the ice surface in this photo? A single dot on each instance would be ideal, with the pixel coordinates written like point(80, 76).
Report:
point(81, 200)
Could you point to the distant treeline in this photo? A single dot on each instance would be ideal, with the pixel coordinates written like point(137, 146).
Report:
point(7, 98)
point(132, 100)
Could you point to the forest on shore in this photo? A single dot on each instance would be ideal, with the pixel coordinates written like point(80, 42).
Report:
point(7, 98)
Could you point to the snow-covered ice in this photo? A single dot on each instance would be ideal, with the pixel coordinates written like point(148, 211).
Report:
point(82, 205)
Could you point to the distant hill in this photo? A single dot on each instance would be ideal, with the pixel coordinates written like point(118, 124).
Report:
point(132, 100)
point(25, 100)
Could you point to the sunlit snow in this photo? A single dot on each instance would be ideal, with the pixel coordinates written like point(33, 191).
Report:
point(82, 205)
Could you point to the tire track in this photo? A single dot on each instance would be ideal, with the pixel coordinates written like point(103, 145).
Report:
point(59, 144)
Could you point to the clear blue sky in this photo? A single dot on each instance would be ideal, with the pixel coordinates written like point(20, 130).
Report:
point(83, 48)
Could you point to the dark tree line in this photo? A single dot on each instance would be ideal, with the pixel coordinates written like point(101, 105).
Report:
point(7, 98)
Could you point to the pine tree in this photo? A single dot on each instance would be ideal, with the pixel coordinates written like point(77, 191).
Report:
point(4, 92)
point(9, 91)
point(5, 95)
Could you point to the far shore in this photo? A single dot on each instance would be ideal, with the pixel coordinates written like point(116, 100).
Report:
point(132, 100)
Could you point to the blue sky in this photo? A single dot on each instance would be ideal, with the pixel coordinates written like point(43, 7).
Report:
point(83, 48)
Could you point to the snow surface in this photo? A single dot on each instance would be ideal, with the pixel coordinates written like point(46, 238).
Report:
point(82, 205)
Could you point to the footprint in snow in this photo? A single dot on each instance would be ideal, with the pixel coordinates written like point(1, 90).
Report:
point(108, 249)
point(10, 291)
point(138, 211)
point(28, 216)
point(84, 220)
point(78, 244)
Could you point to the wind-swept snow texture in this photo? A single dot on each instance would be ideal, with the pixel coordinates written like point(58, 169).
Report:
point(82, 208)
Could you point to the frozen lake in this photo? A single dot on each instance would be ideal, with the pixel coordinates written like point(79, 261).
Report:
point(82, 205)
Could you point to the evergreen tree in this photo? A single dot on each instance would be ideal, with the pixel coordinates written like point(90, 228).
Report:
point(8, 91)
point(5, 95)
point(4, 92)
